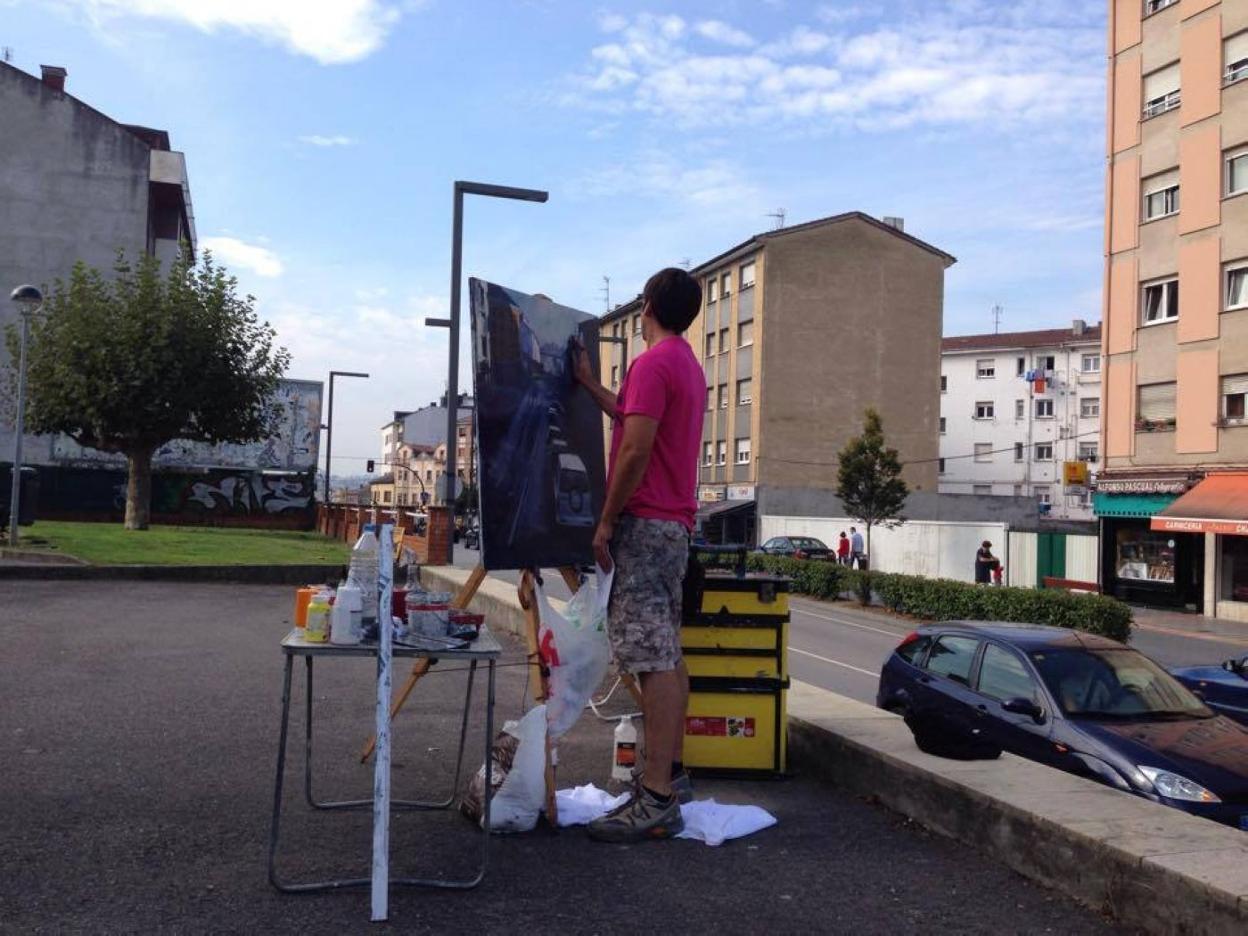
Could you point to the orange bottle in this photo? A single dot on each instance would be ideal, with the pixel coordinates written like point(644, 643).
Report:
point(302, 597)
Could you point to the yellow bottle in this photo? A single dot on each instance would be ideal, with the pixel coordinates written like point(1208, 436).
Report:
point(317, 629)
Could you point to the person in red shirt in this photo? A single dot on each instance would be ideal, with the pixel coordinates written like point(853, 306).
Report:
point(842, 549)
point(647, 518)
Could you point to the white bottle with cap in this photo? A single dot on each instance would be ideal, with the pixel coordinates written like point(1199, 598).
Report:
point(345, 622)
point(625, 758)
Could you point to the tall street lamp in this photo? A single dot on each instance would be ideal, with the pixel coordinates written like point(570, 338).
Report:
point(29, 300)
point(329, 423)
point(457, 243)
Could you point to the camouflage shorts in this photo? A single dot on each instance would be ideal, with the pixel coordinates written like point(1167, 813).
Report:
point(643, 621)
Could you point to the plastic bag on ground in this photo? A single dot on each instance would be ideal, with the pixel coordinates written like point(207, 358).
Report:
point(574, 646)
point(518, 777)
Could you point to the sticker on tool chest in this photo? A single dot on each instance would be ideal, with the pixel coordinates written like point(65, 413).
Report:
point(719, 726)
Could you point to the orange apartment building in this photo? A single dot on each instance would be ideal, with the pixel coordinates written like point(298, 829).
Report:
point(1172, 496)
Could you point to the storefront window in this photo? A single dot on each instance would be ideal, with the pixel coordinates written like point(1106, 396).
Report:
point(1235, 568)
point(1145, 555)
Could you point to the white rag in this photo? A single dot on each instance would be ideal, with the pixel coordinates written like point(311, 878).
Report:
point(705, 820)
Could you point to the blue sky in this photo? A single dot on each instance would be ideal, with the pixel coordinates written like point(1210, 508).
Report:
point(322, 137)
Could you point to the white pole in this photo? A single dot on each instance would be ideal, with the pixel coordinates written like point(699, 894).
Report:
point(381, 773)
point(15, 487)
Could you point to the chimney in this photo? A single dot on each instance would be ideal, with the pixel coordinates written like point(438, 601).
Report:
point(1079, 326)
point(54, 77)
point(898, 223)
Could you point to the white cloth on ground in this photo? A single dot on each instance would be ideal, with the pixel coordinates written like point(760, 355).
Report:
point(584, 804)
point(705, 820)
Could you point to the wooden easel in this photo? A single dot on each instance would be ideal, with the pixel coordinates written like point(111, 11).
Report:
point(538, 674)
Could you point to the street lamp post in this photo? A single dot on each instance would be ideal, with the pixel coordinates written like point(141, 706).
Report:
point(29, 300)
point(329, 424)
point(452, 378)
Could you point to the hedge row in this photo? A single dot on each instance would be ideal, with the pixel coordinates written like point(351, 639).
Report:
point(948, 600)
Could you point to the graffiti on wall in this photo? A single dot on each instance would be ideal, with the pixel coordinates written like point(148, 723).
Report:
point(293, 446)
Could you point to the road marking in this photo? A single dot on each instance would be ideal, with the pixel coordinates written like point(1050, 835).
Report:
point(847, 623)
point(856, 669)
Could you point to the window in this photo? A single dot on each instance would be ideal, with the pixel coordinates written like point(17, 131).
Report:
point(745, 392)
point(1091, 363)
point(944, 383)
point(1044, 409)
point(636, 324)
point(1018, 451)
point(1161, 195)
point(1161, 91)
point(723, 341)
point(722, 393)
point(1145, 555)
point(743, 451)
point(1020, 366)
point(983, 451)
point(710, 345)
point(1155, 407)
point(1161, 301)
point(1237, 172)
point(1018, 490)
point(1234, 568)
point(1234, 395)
point(1152, 6)
point(1045, 362)
point(942, 425)
point(1020, 409)
point(747, 275)
point(913, 649)
point(725, 284)
point(940, 466)
point(1089, 452)
point(745, 334)
point(984, 409)
point(1002, 676)
point(1043, 495)
point(615, 330)
point(1090, 407)
point(615, 376)
point(710, 398)
point(952, 657)
point(385, 496)
point(708, 454)
point(712, 289)
point(1043, 451)
point(985, 368)
point(721, 453)
point(1237, 287)
point(1235, 54)
point(983, 490)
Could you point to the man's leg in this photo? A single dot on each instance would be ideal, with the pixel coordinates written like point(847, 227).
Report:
point(664, 697)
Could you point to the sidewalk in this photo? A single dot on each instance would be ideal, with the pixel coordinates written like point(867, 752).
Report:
point(139, 744)
point(1191, 625)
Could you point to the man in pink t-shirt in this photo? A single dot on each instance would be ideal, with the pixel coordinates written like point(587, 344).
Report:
point(652, 481)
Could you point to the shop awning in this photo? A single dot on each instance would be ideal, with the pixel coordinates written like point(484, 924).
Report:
point(722, 508)
point(1218, 504)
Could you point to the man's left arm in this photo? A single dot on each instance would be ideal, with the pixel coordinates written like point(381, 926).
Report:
point(631, 461)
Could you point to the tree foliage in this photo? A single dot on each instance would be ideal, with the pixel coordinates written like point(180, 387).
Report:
point(869, 481)
point(127, 362)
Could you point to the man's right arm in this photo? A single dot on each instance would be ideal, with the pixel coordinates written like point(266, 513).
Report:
point(584, 374)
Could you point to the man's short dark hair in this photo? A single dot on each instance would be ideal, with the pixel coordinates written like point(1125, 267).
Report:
point(675, 298)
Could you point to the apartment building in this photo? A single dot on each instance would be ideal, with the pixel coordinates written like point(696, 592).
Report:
point(425, 426)
point(1172, 496)
point(417, 467)
point(77, 186)
point(1020, 414)
point(801, 329)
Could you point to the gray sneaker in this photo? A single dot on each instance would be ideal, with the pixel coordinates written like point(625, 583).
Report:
point(640, 818)
point(682, 785)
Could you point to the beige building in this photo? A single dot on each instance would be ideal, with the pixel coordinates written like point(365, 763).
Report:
point(1175, 340)
point(801, 329)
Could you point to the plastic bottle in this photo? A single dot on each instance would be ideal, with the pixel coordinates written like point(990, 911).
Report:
point(345, 619)
point(317, 628)
point(364, 558)
point(625, 750)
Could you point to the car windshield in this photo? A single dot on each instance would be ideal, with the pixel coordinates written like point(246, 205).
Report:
point(1108, 683)
point(806, 542)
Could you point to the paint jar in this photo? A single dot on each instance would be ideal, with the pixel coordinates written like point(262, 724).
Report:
point(302, 597)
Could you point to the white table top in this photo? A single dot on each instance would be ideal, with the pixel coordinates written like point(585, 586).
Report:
point(485, 647)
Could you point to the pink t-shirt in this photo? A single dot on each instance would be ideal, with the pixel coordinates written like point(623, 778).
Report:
point(665, 383)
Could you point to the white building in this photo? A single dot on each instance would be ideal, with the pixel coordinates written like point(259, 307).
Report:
point(1014, 407)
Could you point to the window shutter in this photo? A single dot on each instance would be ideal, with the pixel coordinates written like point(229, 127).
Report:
point(1161, 181)
point(1235, 383)
point(1236, 48)
point(1161, 82)
point(1157, 401)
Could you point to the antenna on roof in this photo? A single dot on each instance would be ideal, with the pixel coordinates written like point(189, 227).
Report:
point(778, 214)
point(606, 292)
point(686, 262)
point(996, 318)
point(6, 54)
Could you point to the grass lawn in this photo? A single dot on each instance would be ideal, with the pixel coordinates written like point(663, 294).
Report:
point(112, 544)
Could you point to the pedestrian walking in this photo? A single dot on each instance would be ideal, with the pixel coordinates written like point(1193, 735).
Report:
point(647, 518)
point(985, 563)
point(842, 549)
point(857, 549)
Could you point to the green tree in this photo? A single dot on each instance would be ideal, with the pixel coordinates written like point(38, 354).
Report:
point(869, 480)
point(128, 362)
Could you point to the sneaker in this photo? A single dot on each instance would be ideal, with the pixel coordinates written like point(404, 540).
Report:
point(682, 785)
point(640, 818)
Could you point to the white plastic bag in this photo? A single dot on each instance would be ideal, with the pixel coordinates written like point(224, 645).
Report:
point(519, 785)
point(574, 646)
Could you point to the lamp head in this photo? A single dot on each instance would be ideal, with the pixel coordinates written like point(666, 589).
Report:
point(27, 297)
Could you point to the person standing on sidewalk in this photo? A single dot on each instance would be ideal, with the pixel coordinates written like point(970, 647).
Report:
point(857, 549)
point(842, 549)
point(644, 530)
point(985, 563)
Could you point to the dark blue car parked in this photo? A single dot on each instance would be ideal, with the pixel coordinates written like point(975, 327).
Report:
point(1077, 702)
point(1223, 688)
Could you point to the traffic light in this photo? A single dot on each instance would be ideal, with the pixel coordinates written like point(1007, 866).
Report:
point(368, 466)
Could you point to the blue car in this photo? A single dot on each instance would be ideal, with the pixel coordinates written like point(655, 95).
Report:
point(1084, 704)
point(1223, 688)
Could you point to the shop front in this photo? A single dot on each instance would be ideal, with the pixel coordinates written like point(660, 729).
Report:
point(1139, 563)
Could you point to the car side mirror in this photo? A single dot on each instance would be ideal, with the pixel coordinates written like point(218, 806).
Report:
point(1234, 665)
point(1027, 707)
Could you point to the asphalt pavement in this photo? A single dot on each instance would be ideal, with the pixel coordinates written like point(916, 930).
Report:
point(140, 722)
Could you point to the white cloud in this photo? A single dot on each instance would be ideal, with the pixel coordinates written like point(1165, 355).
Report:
point(719, 31)
point(316, 139)
point(658, 174)
point(233, 252)
point(330, 31)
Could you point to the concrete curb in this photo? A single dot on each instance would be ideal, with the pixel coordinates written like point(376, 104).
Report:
point(1145, 865)
point(42, 558)
point(239, 574)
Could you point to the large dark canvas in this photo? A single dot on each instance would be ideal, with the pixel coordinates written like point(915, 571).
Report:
point(539, 434)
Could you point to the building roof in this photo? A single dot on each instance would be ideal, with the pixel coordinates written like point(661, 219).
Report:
point(1044, 338)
